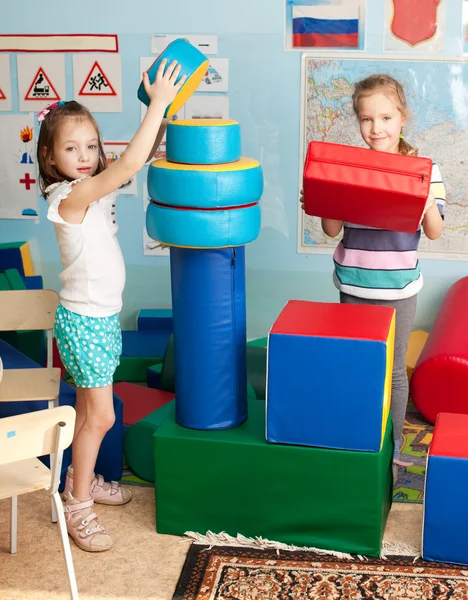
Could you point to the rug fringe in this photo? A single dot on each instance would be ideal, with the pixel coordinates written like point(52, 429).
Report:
point(400, 549)
point(224, 539)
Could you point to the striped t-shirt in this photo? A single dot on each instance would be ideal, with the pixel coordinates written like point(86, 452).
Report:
point(381, 264)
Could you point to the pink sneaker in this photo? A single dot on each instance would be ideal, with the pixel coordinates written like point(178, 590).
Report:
point(101, 492)
point(83, 527)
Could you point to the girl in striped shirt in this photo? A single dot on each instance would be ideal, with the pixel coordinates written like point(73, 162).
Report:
point(378, 266)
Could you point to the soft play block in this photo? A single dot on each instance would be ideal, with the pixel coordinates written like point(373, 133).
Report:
point(109, 460)
point(138, 443)
point(417, 340)
point(201, 228)
point(16, 255)
point(217, 186)
point(329, 375)
point(34, 282)
point(153, 376)
point(376, 189)
point(445, 527)
point(134, 368)
point(193, 64)
point(203, 141)
point(139, 401)
point(141, 344)
point(440, 378)
point(234, 481)
point(155, 319)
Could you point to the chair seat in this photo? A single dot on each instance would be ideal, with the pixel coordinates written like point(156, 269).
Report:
point(22, 477)
point(29, 384)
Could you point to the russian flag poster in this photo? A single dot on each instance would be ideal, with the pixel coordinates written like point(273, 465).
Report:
point(324, 24)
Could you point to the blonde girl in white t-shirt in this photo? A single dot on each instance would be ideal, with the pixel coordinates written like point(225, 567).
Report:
point(81, 190)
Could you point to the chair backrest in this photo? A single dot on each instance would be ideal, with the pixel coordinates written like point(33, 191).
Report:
point(28, 309)
point(35, 434)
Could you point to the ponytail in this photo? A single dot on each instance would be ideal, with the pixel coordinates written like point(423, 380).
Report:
point(405, 148)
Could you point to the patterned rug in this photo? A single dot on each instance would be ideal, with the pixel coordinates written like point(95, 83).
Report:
point(226, 573)
point(417, 436)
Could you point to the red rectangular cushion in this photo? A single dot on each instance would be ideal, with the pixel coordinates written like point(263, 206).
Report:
point(365, 187)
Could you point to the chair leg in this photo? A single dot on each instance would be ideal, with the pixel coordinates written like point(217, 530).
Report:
point(14, 524)
point(54, 513)
point(66, 546)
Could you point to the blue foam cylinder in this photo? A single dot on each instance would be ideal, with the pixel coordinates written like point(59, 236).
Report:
point(208, 142)
point(203, 228)
point(208, 296)
point(193, 65)
point(236, 184)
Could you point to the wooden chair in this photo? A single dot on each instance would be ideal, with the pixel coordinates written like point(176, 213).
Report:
point(22, 439)
point(30, 309)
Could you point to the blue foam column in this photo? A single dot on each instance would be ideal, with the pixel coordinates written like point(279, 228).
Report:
point(208, 298)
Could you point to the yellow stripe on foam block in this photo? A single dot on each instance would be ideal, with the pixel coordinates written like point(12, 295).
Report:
point(188, 88)
point(27, 260)
point(390, 344)
point(240, 165)
point(204, 122)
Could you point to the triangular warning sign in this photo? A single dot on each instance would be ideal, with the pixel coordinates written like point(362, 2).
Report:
point(2, 95)
point(97, 83)
point(41, 88)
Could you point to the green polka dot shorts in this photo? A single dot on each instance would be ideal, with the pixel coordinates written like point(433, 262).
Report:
point(90, 347)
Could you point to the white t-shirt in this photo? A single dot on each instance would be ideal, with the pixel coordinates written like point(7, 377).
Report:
point(93, 276)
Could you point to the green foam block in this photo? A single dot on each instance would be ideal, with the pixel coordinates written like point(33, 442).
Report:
point(138, 442)
point(235, 481)
point(134, 368)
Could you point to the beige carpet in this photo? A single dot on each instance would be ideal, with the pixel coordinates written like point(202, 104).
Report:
point(142, 564)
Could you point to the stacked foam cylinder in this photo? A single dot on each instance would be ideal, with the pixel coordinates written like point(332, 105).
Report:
point(205, 206)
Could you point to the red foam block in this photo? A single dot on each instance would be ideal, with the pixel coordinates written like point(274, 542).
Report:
point(440, 379)
point(450, 436)
point(364, 187)
point(139, 401)
point(334, 320)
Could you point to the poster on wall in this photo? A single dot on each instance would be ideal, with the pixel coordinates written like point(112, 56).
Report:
point(325, 24)
point(5, 83)
point(216, 77)
point(151, 247)
point(207, 107)
point(414, 26)
point(114, 151)
point(41, 80)
point(97, 81)
point(206, 43)
point(18, 169)
point(437, 127)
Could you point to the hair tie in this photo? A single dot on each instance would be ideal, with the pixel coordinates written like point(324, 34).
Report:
point(47, 109)
point(401, 136)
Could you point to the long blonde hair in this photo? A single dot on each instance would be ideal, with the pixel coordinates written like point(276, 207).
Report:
point(384, 82)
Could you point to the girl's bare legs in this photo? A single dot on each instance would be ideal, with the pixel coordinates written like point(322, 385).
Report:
point(95, 416)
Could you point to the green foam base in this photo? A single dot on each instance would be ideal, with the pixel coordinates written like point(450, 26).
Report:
point(235, 481)
point(134, 368)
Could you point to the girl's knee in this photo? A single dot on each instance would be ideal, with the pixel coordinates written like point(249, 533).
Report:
point(101, 421)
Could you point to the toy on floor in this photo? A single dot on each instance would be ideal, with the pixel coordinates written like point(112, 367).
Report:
point(139, 401)
point(207, 212)
point(159, 319)
point(333, 363)
point(376, 189)
point(445, 526)
point(417, 339)
point(440, 378)
point(16, 255)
